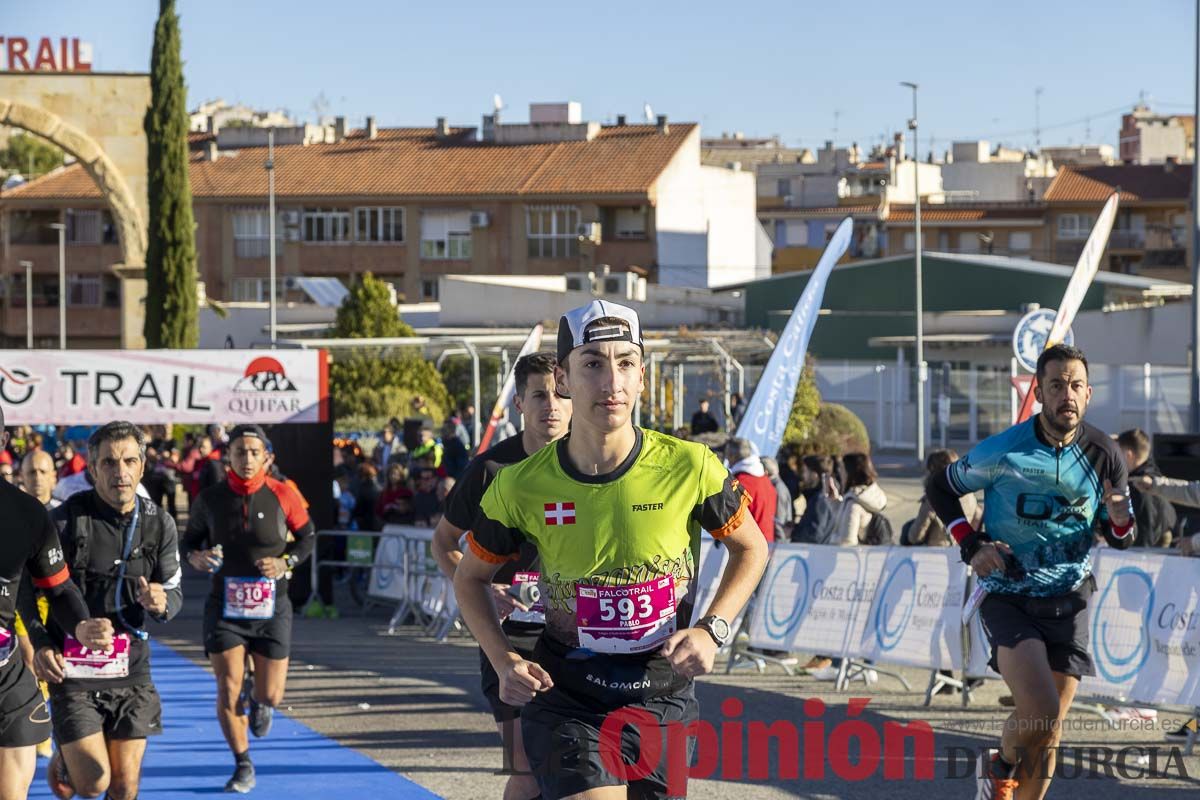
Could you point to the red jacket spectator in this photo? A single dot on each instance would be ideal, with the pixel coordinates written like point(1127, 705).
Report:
point(76, 463)
point(747, 467)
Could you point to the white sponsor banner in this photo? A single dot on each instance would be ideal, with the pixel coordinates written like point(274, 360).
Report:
point(709, 572)
point(149, 387)
point(912, 607)
point(710, 567)
point(1145, 628)
point(387, 575)
point(809, 599)
point(404, 567)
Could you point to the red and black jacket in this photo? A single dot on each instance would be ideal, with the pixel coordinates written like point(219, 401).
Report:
point(250, 519)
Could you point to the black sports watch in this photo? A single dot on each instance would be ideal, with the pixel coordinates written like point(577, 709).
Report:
point(717, 628)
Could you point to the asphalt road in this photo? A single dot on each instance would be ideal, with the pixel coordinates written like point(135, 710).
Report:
point(414, 706)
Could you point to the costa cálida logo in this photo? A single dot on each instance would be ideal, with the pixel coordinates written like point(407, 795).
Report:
point(264, 388)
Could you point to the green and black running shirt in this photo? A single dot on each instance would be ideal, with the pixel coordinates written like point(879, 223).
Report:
point(636, 525)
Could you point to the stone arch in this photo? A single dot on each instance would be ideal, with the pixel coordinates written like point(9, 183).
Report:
point(88, 152)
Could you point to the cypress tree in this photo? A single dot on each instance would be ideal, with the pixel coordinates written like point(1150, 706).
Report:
point(171, 317)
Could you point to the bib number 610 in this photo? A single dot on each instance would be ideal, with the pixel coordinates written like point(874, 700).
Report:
point(625, 607)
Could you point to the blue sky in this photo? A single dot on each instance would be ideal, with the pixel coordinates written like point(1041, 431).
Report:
point(762, 67)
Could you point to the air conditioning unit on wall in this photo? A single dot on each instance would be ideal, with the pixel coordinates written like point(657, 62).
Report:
point(480, 219)
point(589, 231)
point(581, 282)
point(625, 285)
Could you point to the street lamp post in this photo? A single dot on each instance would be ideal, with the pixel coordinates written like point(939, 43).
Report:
point(912, 126)
point(271, 222)
point(62, 284)
point(28, 265)
point(1194, 410)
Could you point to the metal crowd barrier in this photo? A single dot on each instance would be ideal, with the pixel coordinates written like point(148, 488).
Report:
point(424, 595)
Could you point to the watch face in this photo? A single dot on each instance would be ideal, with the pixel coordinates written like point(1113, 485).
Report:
point(720, 628)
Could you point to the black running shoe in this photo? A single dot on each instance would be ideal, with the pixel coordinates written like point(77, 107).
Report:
point(243, 779)
point(261, 716)
point(1181, 734)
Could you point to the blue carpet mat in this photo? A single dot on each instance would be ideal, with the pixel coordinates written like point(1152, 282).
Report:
point(295, 762)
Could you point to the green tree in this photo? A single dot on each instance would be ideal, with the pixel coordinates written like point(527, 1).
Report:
point(171, 316)
point(368, 313)
point(805, 406)
point(30, 156)
point(460, 382)
point(370, 385)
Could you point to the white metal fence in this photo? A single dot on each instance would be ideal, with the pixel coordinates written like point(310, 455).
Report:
point(967, 404)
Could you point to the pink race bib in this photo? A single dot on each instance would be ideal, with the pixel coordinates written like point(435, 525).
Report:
point(249, 598)
point(537, 612)
point(84, 663)
point(8, 645)
point(625, 619)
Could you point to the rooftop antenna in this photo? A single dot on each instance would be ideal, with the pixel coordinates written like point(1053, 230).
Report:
point(1037, 118)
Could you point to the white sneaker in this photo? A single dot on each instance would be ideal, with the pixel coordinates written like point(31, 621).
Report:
point(824, 674)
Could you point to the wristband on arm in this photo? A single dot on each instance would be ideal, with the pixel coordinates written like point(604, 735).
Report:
point(969, 540)
point(1121, 531)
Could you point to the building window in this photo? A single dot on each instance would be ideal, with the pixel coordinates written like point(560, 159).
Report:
point(446, 234)
point(1179, 229)
point(1020, 241)
point(797, 233)
point(254, 290)
point(85, 291)
point(1075, 226)
point(783, 187)
point(32, 227)
point(552, 231)
point(631, 223)
point(326, 225)
point(252, 232)
point(84, 226)
point(112, 291)
point(429, 289)
point(910, 239)
point(379, 224)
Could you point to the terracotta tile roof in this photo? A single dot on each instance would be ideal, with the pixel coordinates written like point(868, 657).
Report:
point(827, 211)
point(68, 183)
point(899, 213)
point(1136, 182)
point(412, 162)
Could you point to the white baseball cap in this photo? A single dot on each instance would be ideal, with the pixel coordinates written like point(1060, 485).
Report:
point(576, 327)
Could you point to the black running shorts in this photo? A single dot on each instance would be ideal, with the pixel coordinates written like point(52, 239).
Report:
point(24, 719)
point(523, 638)
point(271, 638)
point(134, 712)
point(563, 742)
point(1061, 623)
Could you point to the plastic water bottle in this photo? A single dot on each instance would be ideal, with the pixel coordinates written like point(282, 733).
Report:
point(527, 594)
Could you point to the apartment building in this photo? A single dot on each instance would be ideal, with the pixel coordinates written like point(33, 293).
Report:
point(555, 195)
